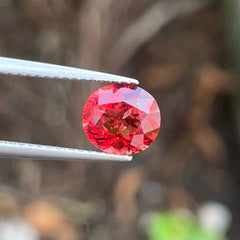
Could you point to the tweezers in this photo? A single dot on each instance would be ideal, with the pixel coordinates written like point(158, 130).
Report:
point(9, 149)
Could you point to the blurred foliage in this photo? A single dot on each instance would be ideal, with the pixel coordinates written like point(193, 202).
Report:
point(231, 16)
point(166, 226)
point(231, 10)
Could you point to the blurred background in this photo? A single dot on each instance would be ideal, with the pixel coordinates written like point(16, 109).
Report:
point(186, 53)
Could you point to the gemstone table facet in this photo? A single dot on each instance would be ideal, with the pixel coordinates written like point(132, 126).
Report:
point(121, 119)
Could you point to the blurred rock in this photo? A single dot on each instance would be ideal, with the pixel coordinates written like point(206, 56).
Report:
point(215, 217)
point(17, 229)
point(49, 221)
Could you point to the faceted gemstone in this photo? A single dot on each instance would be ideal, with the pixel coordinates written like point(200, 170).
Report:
point(121, 119)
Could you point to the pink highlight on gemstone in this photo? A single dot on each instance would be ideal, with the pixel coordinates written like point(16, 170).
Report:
point(121, 119)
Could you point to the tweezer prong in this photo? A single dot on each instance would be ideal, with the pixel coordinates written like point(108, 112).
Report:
point(44, 70)
point(44, 152)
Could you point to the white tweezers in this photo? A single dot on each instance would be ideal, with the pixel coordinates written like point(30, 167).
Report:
point(11, 149)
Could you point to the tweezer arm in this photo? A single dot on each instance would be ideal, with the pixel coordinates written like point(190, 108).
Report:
point(44, 70)
point(43, 152)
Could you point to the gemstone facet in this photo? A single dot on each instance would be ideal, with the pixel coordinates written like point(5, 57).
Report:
point(121, 119)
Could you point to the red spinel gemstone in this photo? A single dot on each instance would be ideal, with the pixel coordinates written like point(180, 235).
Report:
point(121, 119)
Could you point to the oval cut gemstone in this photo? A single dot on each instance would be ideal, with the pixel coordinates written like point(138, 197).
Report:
point(121, 119)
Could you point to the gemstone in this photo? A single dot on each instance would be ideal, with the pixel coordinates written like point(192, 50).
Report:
point(121, 119)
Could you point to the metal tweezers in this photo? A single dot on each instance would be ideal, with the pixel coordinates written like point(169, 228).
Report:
point(9, 149)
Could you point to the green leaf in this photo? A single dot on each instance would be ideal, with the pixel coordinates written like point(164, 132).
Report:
point(170, 226)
